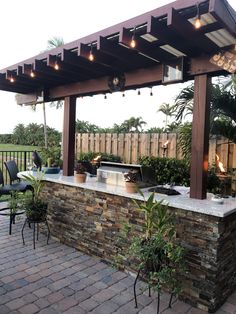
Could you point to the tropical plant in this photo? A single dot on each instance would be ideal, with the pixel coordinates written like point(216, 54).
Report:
point(34, 206)
point(168, 110)
point(185, 140)
point(154, 250)
point(51, 156)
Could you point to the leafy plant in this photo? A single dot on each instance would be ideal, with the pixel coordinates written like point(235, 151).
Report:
point(79, 168)
point(154, 250)
point(34, 206)
point(51, 156)
point(131, 176)
point(168, 170)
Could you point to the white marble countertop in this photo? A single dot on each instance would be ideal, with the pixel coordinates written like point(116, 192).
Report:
point(182, 201)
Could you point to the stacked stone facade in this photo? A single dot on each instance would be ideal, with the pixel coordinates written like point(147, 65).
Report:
point(90, 220)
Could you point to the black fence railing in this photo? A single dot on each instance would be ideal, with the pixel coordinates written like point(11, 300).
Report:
point(23, 160)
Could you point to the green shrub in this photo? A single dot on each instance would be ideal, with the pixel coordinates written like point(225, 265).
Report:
point(168, 170)
point(104, 156)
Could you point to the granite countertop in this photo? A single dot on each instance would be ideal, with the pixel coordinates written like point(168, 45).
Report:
point(182, 201)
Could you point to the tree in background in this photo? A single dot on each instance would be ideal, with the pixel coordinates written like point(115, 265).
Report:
point(33, 134)
point(167, 109)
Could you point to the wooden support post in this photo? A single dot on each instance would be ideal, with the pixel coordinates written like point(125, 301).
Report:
point(69, 136)
point(200, 137)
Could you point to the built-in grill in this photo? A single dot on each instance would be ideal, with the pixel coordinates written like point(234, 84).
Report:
point(113, 173)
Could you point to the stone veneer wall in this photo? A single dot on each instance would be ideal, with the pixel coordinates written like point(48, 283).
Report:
point(89, 221)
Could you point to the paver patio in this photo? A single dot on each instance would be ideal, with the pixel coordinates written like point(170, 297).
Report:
point(55, 278)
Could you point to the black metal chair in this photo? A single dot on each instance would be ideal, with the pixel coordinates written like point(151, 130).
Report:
point(19, 186)
point(4, 209)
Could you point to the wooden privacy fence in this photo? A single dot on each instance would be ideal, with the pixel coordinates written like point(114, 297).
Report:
point(130, 146)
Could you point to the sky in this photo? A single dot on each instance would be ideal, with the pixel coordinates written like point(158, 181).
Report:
point(26, 26)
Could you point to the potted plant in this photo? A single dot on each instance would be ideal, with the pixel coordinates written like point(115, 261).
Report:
point(35, 208)
point(154, 251)
point(131, 178)
point(51, 157)
point(80, 173)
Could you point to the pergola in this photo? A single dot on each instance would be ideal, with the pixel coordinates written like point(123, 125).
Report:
point(159, 47)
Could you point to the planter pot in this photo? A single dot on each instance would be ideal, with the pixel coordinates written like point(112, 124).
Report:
point(36, 212)
point(80, 177)
point(131, 187)
point(51, 170)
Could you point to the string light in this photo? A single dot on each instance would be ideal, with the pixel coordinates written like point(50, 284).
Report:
point(32, 74)
point(151, 93)
point(91, 55)
point(105, 96)
point(133, 42)
point(56, 66)
point(123, 94)
point(139, 93)
point(12, 80)
point(197, 22)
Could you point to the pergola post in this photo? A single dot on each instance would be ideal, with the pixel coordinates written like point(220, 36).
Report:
point(69, 136)
point(200, 137)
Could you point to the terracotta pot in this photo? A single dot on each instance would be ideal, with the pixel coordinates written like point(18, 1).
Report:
point(131, 187)
point(80, 177)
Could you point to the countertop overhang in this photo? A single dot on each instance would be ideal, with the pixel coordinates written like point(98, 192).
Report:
point(183, 201)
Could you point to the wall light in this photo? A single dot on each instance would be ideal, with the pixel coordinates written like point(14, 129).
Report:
point(198, 22)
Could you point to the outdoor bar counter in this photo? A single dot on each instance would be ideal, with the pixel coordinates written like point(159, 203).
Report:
point(89, 215)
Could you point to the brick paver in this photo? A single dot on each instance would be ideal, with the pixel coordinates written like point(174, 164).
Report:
point(55, 279)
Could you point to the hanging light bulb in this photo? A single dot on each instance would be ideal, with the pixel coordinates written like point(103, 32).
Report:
point(91, 55)
point(139, 93)
point(198, 22)
point(12, 80)
point(123, 94)
point(105, 96)
point(151, 93)
point(32, 74)
point(56, 66)
point(133, 42)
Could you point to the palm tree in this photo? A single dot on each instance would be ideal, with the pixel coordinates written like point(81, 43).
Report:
point(133, 124)
point(167, 109)
point(54, 42)
point(184, 103)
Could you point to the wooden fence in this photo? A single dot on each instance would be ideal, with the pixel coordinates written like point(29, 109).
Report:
point(130, 146)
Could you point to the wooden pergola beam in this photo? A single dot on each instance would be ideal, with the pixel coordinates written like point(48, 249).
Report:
point(69, 136)
point(200, 137)
point(199, 40)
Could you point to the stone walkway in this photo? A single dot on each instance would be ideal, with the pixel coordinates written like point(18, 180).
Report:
point(55, 279)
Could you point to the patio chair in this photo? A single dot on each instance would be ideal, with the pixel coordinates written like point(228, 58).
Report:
point(12, 169)
point(4, 209)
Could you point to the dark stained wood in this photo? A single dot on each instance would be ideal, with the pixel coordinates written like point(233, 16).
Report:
point(127, 56)
point(69, 136)
point(202, 65)
point(149, 50)
point(91, 69)
point(200, 137)
point(199, 40)
point(160, 30)
point(135, 79)
point(226, 15)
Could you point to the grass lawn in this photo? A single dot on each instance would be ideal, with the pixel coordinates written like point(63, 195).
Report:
point(13, 147)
